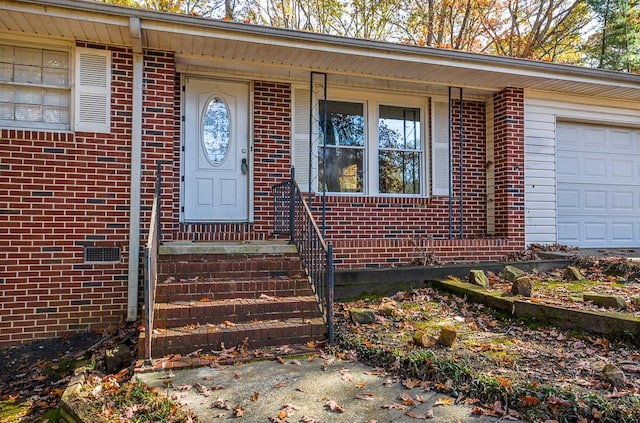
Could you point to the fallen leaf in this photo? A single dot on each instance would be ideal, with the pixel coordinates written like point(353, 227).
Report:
point(255, 396)
point(425, 416)
point(411, 383)
point(221, 404)
point(444, 401)
point(367, 396)
point(238, 411)
point(333, 406)
point(307, 419)
point(394, 406)
point(346, 375)
point(407, 400)
point(528, 401)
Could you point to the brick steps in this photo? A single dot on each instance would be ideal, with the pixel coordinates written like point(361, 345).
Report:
point(224, 289)
point(187, 339)
point(212, 296)
point(246, 266)
point(236, 310)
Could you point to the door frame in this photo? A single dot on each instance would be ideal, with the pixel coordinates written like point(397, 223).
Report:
point(250, 142)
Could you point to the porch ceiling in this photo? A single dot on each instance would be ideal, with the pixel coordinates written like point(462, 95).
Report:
point(243, 48)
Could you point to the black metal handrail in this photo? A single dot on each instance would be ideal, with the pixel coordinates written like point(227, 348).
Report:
point(293, 216)
point(151, 264)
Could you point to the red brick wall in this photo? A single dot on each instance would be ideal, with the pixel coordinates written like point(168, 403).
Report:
point(509, 163)
point(60, 192)
point(366, 217)
point(373, 231)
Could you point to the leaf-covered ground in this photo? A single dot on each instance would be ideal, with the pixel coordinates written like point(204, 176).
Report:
point(542, 372)
point(606, 276)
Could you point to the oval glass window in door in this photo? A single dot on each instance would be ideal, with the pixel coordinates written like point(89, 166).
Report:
point(216, 130)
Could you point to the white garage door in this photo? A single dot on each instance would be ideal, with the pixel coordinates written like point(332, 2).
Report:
point(598, 171)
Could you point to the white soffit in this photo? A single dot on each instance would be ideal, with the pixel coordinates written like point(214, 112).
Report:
point(206, 42)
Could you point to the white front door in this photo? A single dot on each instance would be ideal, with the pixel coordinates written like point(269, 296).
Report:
point(216, 163)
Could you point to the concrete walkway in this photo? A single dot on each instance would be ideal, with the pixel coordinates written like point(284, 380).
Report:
point(263, 388)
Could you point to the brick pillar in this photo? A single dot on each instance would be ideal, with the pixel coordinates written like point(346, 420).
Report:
point(509, 163)
point(272, 148)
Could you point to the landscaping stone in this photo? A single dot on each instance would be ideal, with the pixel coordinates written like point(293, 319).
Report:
point(478, 277)
point(511, 273)
point(614, 376)
point(572, 273)
point(388, 308)
point(117, 359)
point(362, 316)
point(448, 334)
point(606, 301)
point(522, 286)
point(422, 339)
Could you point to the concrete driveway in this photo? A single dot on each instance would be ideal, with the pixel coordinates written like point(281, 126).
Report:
point(320, 390)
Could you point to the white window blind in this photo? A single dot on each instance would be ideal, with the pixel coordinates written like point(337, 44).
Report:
point(93, 90)
point(300, 140)
point(440, 148)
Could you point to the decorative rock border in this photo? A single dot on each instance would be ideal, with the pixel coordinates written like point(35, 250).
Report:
point(610, 323)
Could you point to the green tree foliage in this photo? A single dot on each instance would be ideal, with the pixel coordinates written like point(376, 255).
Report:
point(547, 30)
point(615, 45)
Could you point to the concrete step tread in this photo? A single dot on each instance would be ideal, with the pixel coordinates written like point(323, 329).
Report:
point(206, 302)
point(239, 327)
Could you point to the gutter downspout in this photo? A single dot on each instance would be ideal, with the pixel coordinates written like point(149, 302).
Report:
point(136, 171)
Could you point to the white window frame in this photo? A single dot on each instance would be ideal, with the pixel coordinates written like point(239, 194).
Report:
point(47, 126)
point(372, 102)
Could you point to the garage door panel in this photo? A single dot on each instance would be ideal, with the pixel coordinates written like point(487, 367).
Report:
point(622, 201)
point(595, 201)
point(622, 140)
point(622, 232)
point(595, 232)
point(598, 186)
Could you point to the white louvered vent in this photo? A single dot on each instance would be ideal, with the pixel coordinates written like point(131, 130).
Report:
point(93, 90)
point(440, 148)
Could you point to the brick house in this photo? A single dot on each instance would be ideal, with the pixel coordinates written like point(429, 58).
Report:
point(94, 96)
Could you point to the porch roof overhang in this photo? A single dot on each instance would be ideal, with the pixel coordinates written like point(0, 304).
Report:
point(208, 44)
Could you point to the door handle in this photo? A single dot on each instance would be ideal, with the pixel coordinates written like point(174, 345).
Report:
point(244, 167)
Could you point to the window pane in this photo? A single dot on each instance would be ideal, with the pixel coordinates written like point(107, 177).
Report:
point(55, 77)
point(53, 97)
point(55, 59)
point(216, 131)
point(23, 72)
point(6, 111)
point(7, 94)
point(55, 114)
point(29, 112)
point(343, 170)
point(28, 74)
point(399, 172)
point(345, 123)
point(6, 71)
point(28, 95)
point(399, 127)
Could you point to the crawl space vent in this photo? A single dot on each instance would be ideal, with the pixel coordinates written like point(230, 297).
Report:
point(102, 254)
